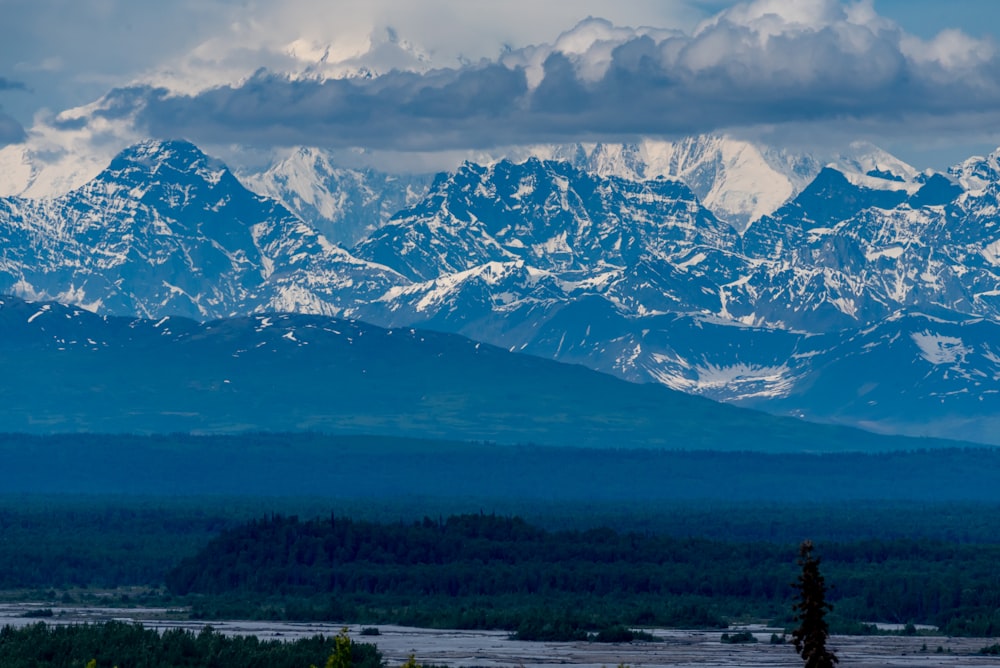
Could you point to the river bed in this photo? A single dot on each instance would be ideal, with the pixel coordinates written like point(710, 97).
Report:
point(492, 649)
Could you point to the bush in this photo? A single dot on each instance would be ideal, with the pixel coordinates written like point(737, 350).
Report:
point(620, 633)
point(741, 637)
point(563, 630)
point(41, 612)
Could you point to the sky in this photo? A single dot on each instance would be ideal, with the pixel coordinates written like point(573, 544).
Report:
point(920, 78)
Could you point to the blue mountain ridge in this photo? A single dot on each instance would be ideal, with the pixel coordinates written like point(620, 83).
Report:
point(298, 372)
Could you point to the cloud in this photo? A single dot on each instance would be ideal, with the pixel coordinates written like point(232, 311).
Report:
point(767, 63)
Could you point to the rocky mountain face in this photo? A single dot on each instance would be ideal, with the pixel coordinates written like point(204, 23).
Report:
point(869, 298)
point(166, 230)
point(737, 180)
point(344, 205)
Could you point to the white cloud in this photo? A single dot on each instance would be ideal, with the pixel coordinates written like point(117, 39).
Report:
point(267, 73)
point(324, 39)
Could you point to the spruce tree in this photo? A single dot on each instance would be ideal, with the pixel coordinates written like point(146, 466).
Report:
point(810, 610)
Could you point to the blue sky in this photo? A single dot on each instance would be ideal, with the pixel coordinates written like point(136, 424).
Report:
point(920, 78)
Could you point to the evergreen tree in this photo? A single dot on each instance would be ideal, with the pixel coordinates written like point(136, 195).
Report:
point(810, 610)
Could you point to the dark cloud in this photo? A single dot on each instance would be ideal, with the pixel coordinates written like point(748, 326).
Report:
point(11, 131)
point(404, 110)
point(729, 75)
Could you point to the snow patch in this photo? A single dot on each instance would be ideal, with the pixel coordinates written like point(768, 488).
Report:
point(42, 310)
point(893, 252)
point(696, 259)
point(938, 349)
point(736, 381)
point(991, 253)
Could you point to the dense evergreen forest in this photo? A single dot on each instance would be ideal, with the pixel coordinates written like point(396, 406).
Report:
point(78, 542)
point(132, 646)
point(489, 571)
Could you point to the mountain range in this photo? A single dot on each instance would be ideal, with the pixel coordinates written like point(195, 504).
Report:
point(869, 298)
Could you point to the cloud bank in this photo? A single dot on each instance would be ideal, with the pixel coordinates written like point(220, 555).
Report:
point(758, 64)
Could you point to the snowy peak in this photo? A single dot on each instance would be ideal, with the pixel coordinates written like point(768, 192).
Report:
point(345, 205)
point(550, 215)
point(738, 180)
point(977, 173)
point(174, 160)
point(44, 172)
point(166, 230)
point(171, 176)
point(869, 166)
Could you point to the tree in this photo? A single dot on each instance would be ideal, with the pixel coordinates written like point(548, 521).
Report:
point(341, 656)
point(810, 610)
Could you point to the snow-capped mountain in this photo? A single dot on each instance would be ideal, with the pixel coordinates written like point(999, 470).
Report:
point(547, 214)
point(977, 173)
point(867, 266)
point(344, 205)
point(615, 274)
point(165, 230)
point(738, 180)
point(33, 171)
point(841, 254)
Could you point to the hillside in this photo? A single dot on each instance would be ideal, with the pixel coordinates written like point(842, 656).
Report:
point(66, 370)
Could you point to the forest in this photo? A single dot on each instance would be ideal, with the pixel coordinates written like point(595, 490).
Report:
point(489, 571)
point(133, 646)
point(573, 567)
point(541, 542)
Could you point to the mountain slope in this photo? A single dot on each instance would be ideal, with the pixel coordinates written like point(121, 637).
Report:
point(298, 372)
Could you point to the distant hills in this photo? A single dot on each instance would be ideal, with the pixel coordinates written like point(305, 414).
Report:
point(68, 370)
